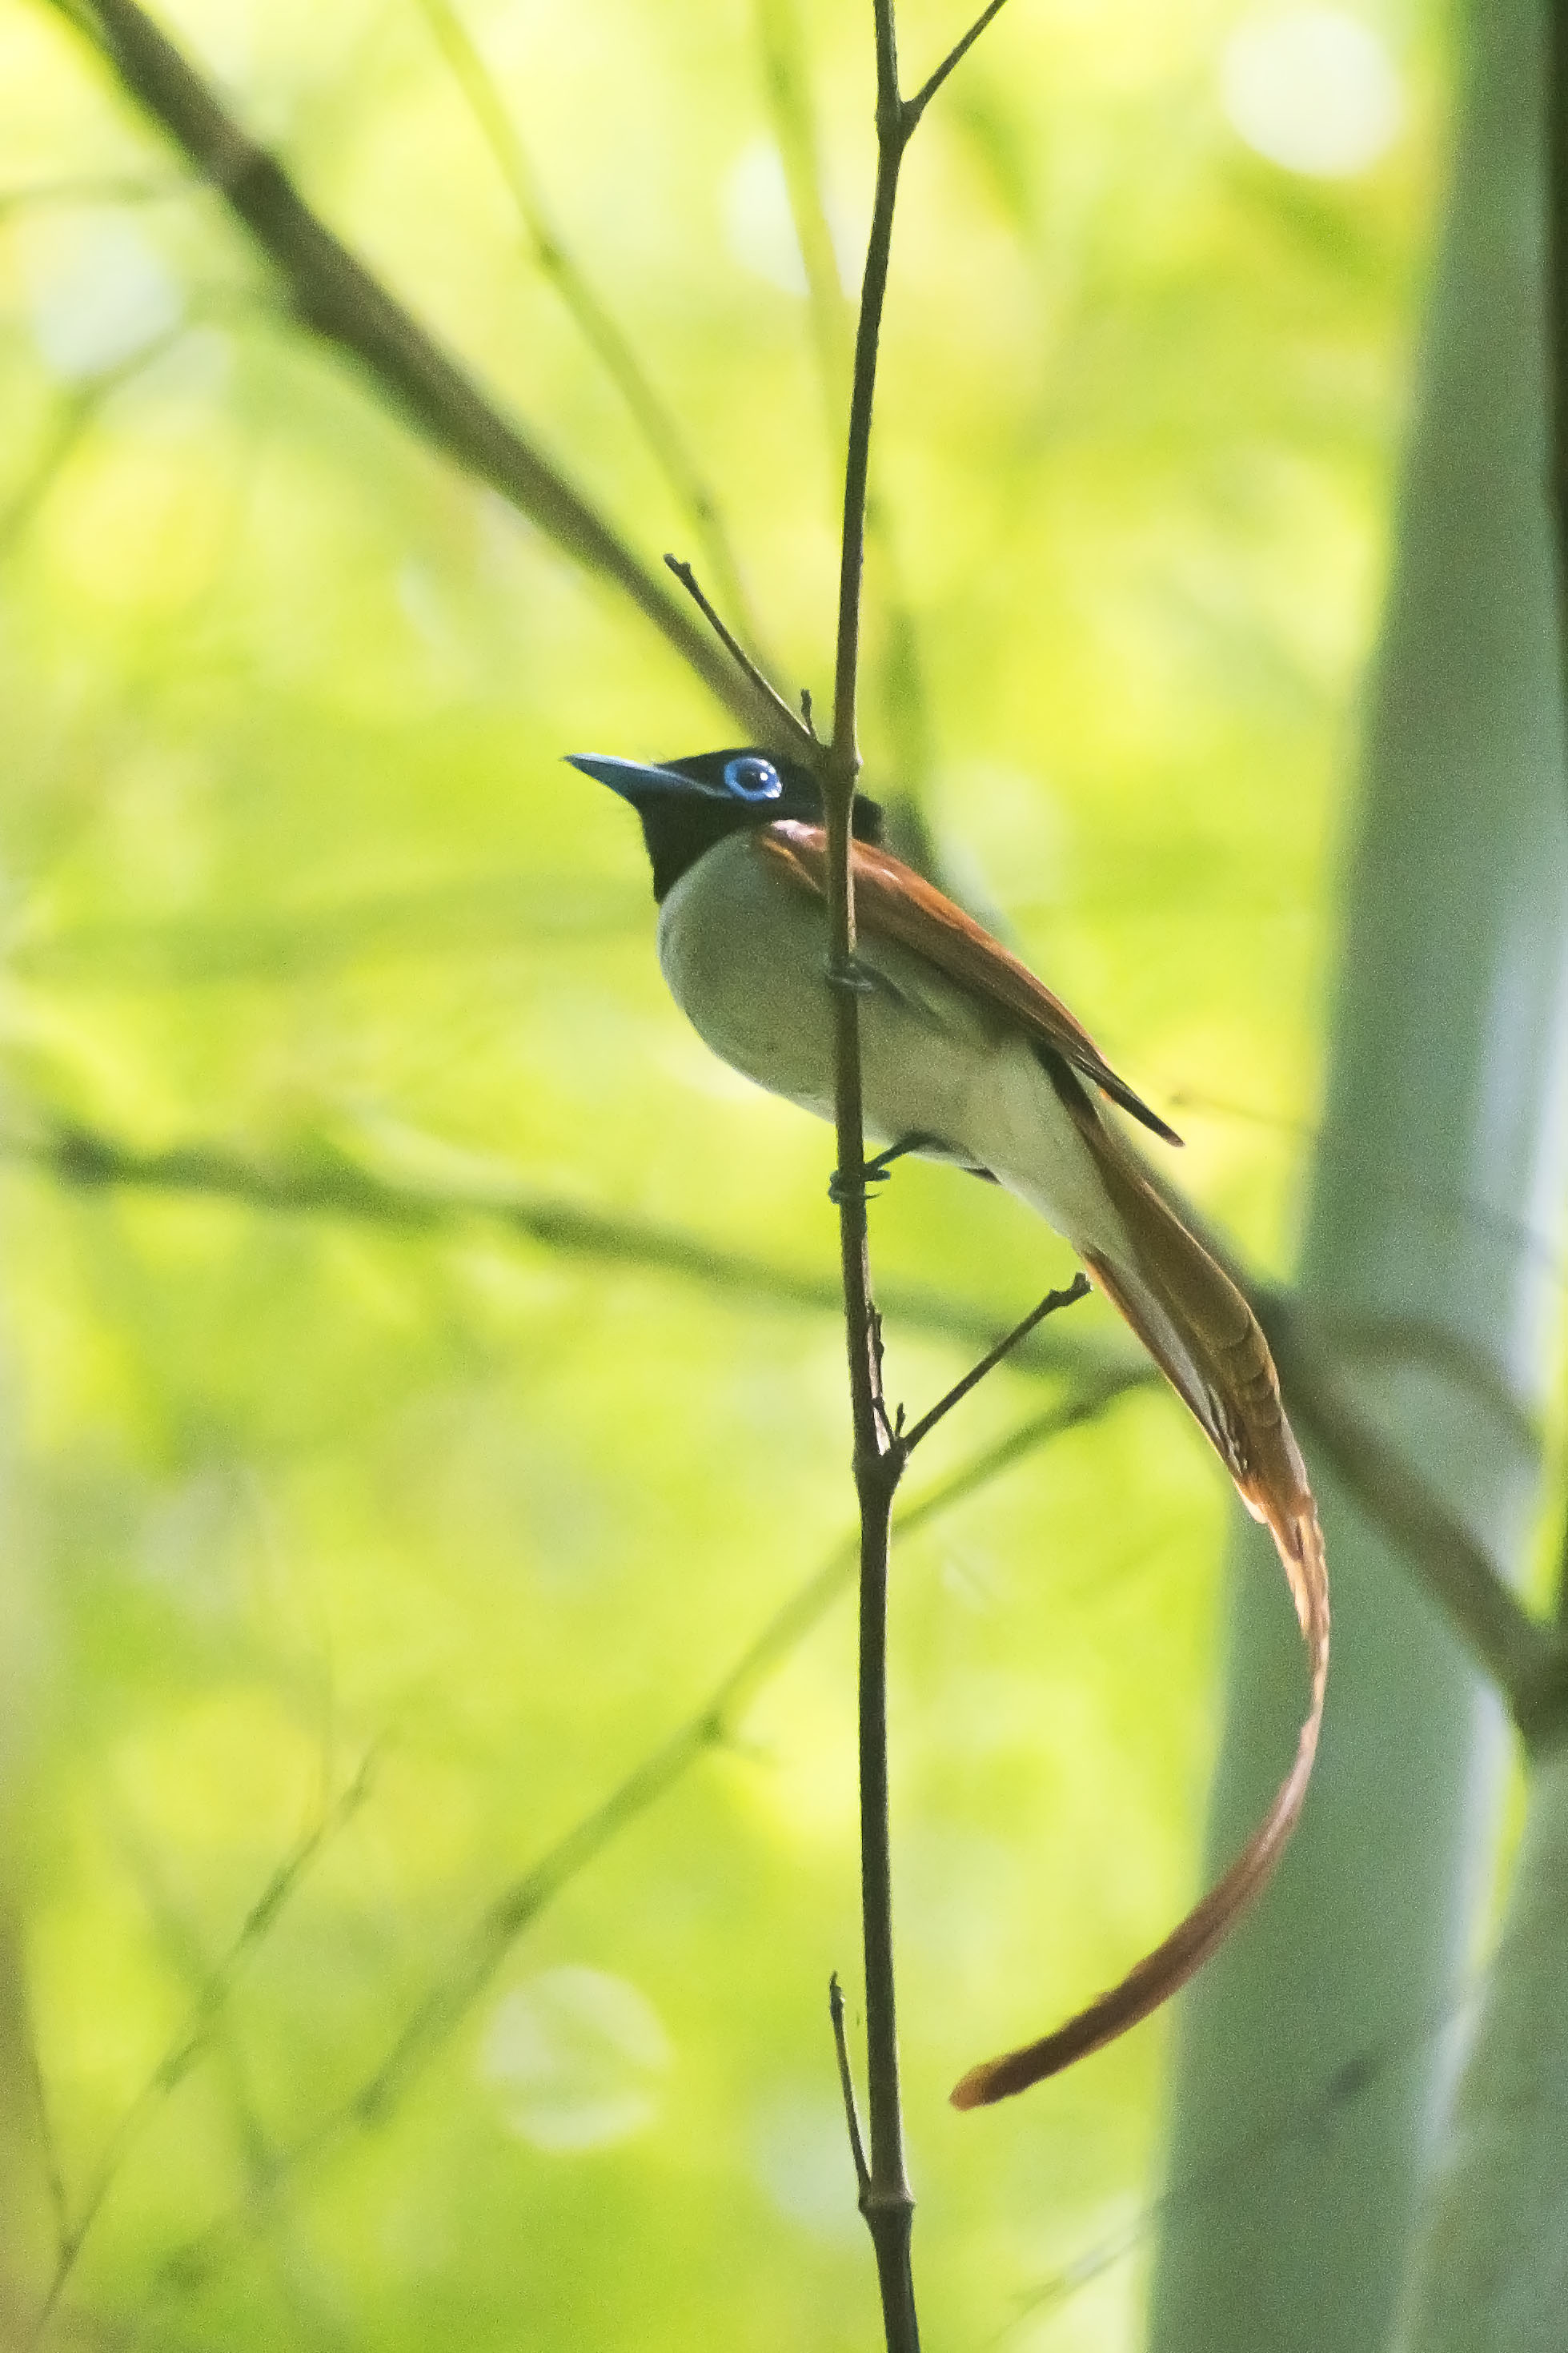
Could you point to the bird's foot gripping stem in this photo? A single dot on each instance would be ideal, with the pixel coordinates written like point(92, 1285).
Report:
point(842, 1187)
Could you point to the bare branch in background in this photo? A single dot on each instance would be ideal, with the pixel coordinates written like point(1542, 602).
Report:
point(77, 412)
point(1526, 1659)
point(342, 302)
point(193, 2036)
point(323, 1180)
point(712, 1725)
point(899, 675)
point(85, 188)
point(1505, 1640)
point(615, 351)
point(787, 87)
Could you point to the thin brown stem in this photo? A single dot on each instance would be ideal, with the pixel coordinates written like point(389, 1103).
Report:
point(893, 137)
point(1078, 1289)
point(793, 730)
point(916, 106)
point(887, 2200)
point(846, 2085)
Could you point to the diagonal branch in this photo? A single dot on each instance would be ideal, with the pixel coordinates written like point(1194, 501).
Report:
point(430, 2025)
point(192, 2035)
point(343, 303)
point(790, 730)
point(1526, 1659)
point(1521, 1654)
point(1078, 1289)
point(915, 106)
point(324, 1180)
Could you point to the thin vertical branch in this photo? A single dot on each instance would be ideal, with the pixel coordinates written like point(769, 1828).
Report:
point(887, 2199)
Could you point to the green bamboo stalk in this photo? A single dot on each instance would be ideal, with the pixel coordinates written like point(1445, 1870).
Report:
point(1435, 1198)
point(1489, 2265)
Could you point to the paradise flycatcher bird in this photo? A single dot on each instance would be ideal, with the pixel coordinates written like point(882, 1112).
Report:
point(966, 1056)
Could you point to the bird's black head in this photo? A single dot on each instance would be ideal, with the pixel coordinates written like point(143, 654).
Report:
point(687, 806)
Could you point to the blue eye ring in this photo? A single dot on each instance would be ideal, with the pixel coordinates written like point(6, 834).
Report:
point(752, 778)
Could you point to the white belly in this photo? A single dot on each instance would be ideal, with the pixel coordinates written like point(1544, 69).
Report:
point(745, 954)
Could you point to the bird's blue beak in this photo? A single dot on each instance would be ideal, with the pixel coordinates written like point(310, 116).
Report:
point(630, 778)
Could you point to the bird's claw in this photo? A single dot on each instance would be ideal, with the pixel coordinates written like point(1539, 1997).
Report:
point(852, 976)
point(843, 1187)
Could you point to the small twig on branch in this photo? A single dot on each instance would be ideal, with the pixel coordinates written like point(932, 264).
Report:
point(798, 735)
point(1078, 1289)
point(915, 106)
point(846, 2085)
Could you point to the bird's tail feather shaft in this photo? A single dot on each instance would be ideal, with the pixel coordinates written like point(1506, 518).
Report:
point(1201, 1332)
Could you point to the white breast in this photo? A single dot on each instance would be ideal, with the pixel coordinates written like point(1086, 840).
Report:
point(745, 954)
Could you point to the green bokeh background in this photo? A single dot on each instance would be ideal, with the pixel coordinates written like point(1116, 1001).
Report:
point(290, 865)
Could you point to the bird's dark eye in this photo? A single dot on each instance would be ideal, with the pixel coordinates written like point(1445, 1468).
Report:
point(751, 778)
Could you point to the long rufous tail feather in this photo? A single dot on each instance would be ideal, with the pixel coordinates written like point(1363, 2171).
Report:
point(1204, 1335)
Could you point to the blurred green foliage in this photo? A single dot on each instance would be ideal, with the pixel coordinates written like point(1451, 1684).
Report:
point(290, 865)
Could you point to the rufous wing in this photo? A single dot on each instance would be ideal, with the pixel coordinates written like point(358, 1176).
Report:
point(894, 903)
